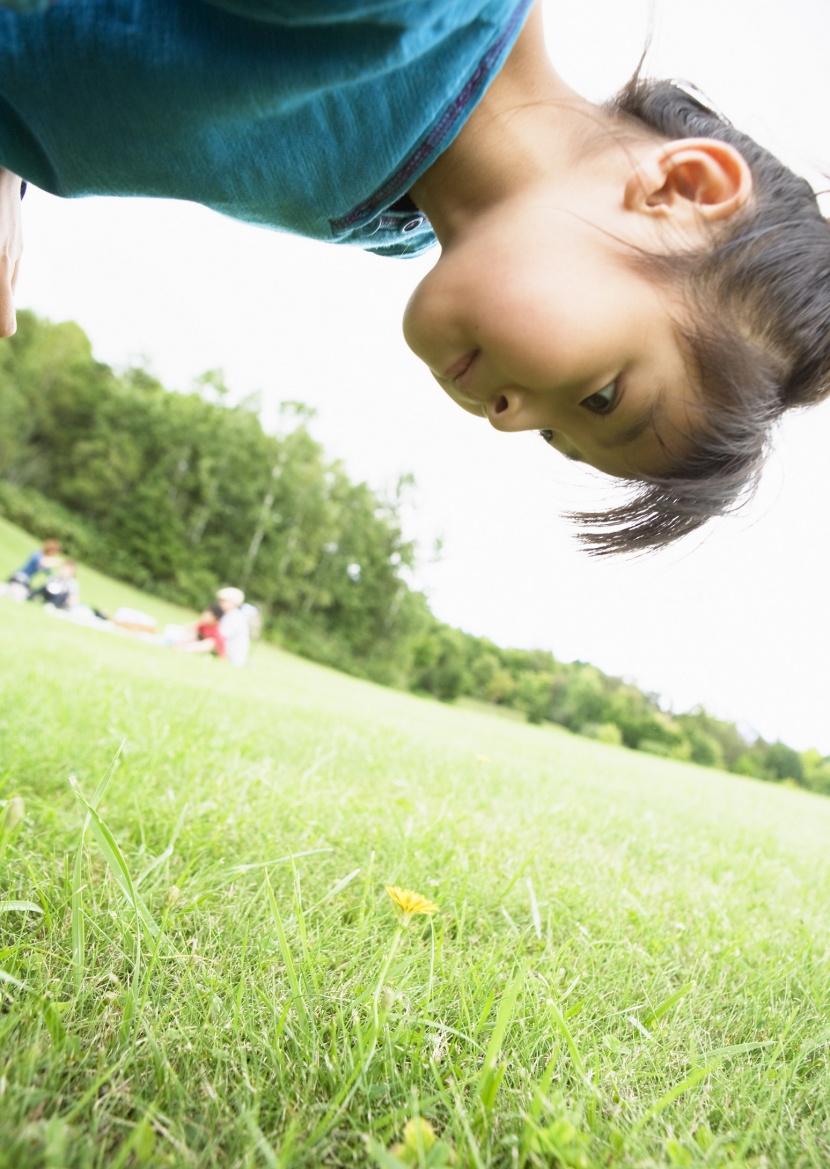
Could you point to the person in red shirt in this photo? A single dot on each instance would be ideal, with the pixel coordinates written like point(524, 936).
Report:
point(207, 629)
point(208, 636)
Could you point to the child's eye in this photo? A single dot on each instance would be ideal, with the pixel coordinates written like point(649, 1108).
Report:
point(603, 401)
point(547, 435)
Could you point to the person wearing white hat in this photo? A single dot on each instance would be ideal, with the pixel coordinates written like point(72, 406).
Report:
point(233, 625)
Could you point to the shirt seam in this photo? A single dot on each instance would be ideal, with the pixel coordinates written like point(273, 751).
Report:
point(399, 182)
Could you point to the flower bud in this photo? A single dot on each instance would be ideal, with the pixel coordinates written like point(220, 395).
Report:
point(15, 811)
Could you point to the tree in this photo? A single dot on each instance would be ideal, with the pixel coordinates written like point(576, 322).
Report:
point(782, 762)
point(438, 663)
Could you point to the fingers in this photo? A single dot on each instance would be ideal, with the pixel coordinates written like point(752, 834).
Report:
point(8, 281)
point(11, 246)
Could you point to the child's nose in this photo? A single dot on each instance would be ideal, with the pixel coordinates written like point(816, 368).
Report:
point(510, 410)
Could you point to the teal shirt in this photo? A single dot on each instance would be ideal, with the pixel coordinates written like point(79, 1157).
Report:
point(308, 116)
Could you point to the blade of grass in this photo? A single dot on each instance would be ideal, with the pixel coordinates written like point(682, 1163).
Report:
point(104, 781)
point(534, 909)
point(503, 893)
point(4, 977)
point(572, 1048)
point(537, 1104)
point(307, 964)
point(491, 1074)
point(734, 1049)
point(278, 860)
point(115, 859)
point(338, 888)
point(671, 1095)
point(299, 1004)
point(168, 851)
point(78, 926)
point(472, 1145)
point(667, 1004)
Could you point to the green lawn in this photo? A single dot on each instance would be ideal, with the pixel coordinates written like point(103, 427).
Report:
point(628, 966)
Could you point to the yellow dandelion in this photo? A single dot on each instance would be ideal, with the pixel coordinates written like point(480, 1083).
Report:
point(410, 904)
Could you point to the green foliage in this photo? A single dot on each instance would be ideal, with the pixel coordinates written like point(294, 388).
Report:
point(439, 663)
point(816, 772)
point(581, 699)
point(784, 763)
point(45, 518)
point(608, 733)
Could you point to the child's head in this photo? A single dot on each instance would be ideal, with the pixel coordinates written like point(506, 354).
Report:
point(229, 598)
point(652, 313)
point(757, 327)
point(51, 547)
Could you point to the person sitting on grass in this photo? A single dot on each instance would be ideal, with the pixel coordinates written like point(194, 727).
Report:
point(207, 635)
point(234, 625)
point(43, 560)
point(639, 282)
point(61, 589)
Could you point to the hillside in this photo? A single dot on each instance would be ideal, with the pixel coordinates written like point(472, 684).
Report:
point(628, 963)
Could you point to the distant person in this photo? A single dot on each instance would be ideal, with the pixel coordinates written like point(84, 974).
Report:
point(207, 636)
point(234, 625)
point(208, 629)
point(43, 560)
point(61, 589)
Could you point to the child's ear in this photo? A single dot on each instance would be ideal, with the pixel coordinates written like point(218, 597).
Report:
point(688, 180)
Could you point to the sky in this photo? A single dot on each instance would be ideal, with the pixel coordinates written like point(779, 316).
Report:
point(736, 618)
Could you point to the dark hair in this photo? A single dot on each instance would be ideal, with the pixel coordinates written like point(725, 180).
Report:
point(759, 341)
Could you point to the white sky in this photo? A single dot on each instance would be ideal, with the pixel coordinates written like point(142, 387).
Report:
point(738, 619)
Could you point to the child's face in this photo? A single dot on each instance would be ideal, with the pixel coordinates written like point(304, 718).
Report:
point(539, 321)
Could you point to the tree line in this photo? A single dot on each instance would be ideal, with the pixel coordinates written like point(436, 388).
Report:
point(179, 493)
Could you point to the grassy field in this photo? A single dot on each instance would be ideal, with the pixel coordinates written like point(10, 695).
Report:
point(628, 965)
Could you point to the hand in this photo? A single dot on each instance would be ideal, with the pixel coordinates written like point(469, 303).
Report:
point(11, 247)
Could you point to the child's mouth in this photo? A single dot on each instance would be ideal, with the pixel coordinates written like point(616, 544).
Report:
point(460, 367)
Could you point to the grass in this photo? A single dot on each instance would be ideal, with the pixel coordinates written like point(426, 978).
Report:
point(629, 965)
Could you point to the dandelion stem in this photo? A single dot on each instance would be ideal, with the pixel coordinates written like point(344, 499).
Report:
point(396, 938)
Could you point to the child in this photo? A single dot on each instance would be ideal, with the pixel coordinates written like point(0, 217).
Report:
point(205, 636)
point(207, 629)
point(43, 559)
point(639, 282)
point(61, 590)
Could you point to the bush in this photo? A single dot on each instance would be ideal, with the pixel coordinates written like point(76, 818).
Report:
point(48, 520)
point(604, 733)
point(655, 747)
